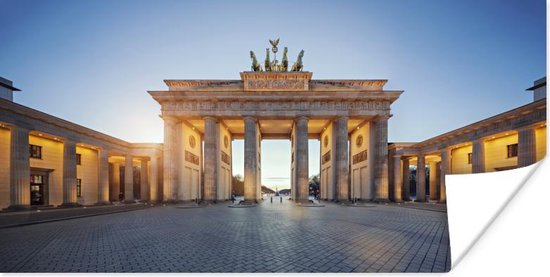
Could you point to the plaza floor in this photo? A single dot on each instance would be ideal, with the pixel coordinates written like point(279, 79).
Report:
point(271, 237)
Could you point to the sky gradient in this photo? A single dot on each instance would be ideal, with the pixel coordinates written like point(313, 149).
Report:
point(91, 62)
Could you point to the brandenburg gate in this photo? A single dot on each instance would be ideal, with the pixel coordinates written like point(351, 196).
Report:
point(273, 101)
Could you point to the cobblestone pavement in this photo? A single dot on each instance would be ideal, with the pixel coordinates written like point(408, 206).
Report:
point(271, 237)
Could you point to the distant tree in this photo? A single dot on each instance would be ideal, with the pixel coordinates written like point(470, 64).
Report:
point(314, 184)
point(237, 182)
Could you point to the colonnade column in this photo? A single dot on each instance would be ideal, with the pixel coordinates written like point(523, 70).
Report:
point(342, 160)
point(211, 153)
point(153, 179)
point(103, 177)
point(445, 169)
point(69, 174)
point(434, 195)
point(128, 179)
point(397, 179)
point(421, 179)
point(478, 156)
point(250, 159)
point(19, 169)
point(302, 159)
point(115, 175)
point(380, 128)
point(406, 180)
point(527, 151)
point(170, 163)
point(144, 181)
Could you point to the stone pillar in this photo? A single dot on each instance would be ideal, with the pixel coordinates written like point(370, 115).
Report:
point(19, 169)
point(115, 175)
point(170, 151)
point(527, 151)
point(341, 159)
point(250, 159)
point(406, 180)
point(478, 156)
point(421, 179)
point(380, 155)
point(103, 177)
point(397, 179)
point(302, 159)
point(144, 181)
point(445, 169)
point(433, 181)
point(69, 174)
point(211, 153)
point(153, 180)
point(128, 179)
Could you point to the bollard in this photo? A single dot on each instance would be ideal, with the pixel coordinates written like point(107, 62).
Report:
point(281, 199)
point(271, 199)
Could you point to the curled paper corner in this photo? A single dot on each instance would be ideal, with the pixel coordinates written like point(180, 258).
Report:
point(474, 201)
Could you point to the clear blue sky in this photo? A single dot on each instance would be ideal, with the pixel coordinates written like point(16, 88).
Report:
point(91, 62)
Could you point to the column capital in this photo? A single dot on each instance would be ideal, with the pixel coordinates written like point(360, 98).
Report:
point(250, 118)
point(301, 118)
point(169, 119)
point(212, 118)
point(382, 118)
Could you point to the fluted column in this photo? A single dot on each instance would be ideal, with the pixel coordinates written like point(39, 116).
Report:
point(153, 179)
point(445, 169)
point(421, 179)
point(19, 169)
point(433, 181)
point(478, 156)
point(211, 153)
point(144, 181)
point(397, 179)
point(302, 159)
point(250, 159)
point(527, 151)
point(406, 180)
point(128, 179)
point(170, 164)
point(381, 185)
point(69, 174)
point(342, 159)
point(115, 182)
point(103, 177)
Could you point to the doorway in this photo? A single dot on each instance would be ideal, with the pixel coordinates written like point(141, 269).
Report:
point(39, 188)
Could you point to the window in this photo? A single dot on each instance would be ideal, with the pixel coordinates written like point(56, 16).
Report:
point(35, 151)
point(512, 150)
point(78, 159)
point(78, 187)
point(469, 158)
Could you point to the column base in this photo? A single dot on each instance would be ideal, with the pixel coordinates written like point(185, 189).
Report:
point(18, 208)
point(398, 201)
point(70, 205)
point(129, 201)
point(103, 203)
point(381, 200)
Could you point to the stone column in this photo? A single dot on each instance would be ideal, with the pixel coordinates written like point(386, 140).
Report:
point(153, 180)
point(341, 159)
point(103, 177)
point(445, 169)
point(527, 151)
point(380, 129)
point(144, 181)
point(128, 179)
point(433, 181)
point(478, 156)
point(406, 180)
point(421, 179)
point(115, 175)
point(19, 169)
point(170, 151)
point(211, 153)
point(250, 159)
point(302, 159)
point(69, 174)
point(397, 181)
